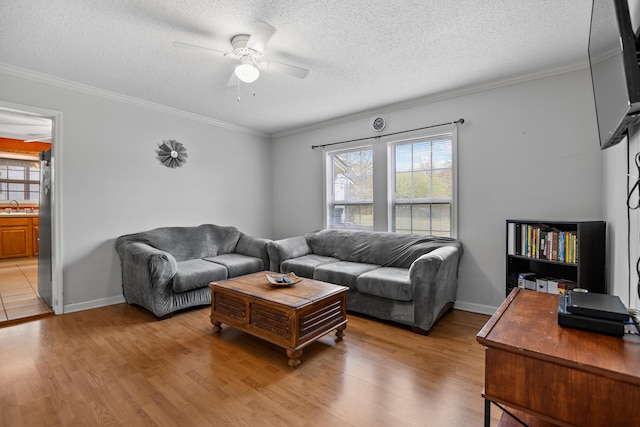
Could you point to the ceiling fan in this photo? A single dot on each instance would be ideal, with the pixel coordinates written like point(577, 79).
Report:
point(248, 50)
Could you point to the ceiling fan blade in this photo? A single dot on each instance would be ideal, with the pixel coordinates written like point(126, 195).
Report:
point(233, 80)
point(279, 67)
point(194, 48)
point(261, 35)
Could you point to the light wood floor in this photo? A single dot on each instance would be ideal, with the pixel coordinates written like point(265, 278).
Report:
point(19, 300)
point(117, 365)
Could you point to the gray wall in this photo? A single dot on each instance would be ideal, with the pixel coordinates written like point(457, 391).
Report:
point(527, 150)
point(622, 277)
point(622, 251)
point(112, 184)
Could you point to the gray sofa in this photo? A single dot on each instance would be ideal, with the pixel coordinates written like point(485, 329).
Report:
point(408, 279)
point(169, 269)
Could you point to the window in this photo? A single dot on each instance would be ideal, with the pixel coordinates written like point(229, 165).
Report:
point(19, 179)
point(423, 186)
point(350, 192)
point(411, 189)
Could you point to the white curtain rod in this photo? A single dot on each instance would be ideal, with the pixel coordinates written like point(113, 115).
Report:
point(456, 122)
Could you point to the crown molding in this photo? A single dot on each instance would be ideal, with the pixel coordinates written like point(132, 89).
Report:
point(440, 96)
point(365, 114)
point(90, 90)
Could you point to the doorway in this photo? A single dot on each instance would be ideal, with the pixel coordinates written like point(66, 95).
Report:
point(19, 297)
point(29, 275)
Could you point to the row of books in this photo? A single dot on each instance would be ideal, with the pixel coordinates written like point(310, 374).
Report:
point(549, 285)
point(542, 242)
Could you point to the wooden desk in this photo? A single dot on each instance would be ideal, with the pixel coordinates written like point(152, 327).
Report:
point(559, 375)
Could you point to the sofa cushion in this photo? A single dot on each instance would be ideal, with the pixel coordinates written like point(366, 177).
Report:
point(378, 247)
point(238, 264)
point(342, 272)
point(333, 243)
point(223, 238)
point(404, 254)
point(186, 243)
point(386, 282)
point(197, 273)
point(304, 266)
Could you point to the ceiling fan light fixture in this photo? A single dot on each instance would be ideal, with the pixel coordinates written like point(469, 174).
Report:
point(248, 51)
point(247, 72)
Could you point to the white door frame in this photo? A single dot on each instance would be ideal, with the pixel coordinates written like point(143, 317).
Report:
point(56, 193)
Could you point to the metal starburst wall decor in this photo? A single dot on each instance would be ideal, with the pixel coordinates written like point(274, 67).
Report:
point(172, 153)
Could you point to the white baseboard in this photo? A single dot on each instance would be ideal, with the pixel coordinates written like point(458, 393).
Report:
point(475, 308)
point(103, 302)
point(87, 305)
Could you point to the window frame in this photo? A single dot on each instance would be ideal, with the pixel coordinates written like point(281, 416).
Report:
point(391, 176)
point(25, 182)
point(329, 190)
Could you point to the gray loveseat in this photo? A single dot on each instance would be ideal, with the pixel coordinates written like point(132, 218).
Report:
point(169, 269)
point(408, 279)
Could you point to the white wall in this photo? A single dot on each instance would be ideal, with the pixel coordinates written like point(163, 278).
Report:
point(623, 225)
point(112, 183)
point(527, 150)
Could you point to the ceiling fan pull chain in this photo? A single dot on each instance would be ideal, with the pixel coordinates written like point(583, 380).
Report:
point(238, 90)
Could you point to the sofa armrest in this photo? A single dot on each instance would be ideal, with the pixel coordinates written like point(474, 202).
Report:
point(434, 277)
point(146, 276)
point(255, 247)
point(284, 249)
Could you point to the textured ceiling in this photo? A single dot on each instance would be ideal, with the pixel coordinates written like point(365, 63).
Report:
point(361, 54)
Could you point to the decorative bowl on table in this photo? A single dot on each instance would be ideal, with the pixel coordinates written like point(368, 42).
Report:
point(277, 280)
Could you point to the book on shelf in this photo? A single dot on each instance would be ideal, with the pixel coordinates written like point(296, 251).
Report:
point(561, 247)
point(539, 241)
point(552, 248)
point(511, 238)
point(515, 239)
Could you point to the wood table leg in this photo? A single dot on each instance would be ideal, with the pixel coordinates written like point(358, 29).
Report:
point(340, 332)
point(294, 357)
point(216, 326)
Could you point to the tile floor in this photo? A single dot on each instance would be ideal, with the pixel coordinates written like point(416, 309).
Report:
point(19, 300)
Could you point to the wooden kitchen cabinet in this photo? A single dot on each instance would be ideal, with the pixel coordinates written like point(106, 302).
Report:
point(18, 237)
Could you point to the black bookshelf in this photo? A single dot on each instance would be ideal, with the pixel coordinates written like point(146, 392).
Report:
point(588, 270)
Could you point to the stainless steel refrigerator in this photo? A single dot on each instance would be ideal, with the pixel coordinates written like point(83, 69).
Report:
point(44, 231)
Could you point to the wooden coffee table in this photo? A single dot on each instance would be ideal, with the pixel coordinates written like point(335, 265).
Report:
point(290, 317)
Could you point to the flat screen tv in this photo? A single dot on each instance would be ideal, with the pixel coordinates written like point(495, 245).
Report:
point(614, 70)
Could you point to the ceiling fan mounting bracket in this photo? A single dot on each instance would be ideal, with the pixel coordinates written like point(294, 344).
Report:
point(240, 49)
